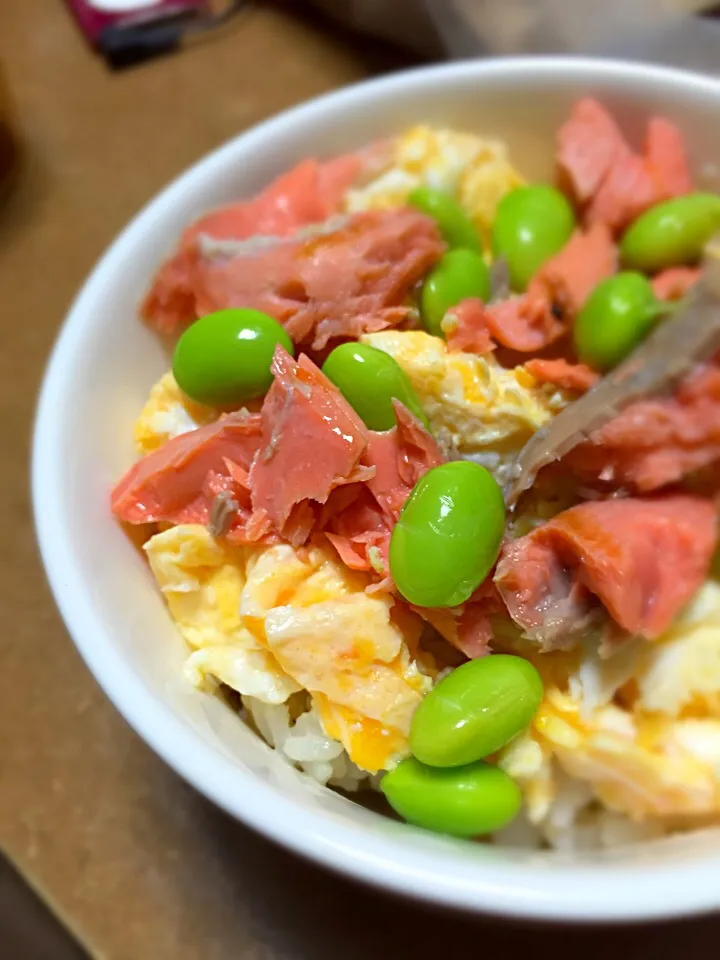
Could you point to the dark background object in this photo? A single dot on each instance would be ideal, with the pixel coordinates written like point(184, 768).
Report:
point(28, 931)
point(125, 39)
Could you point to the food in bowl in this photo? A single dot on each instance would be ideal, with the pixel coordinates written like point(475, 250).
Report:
point(362, 352)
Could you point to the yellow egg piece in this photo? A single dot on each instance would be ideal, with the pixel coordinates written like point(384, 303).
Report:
point(473, 169)
point(340, 644)
point(485, 411)
point(272, 621)
point(167, 414)
point(202, 581)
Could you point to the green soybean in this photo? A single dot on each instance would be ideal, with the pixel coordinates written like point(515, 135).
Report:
point(531, 225)
point(467, 801)
point(448, 535)
point(370, 379)
point(224, 358)
point(671, 233)
point(456, 227)
point(475, 710)
point(617, 315)
point(459, 275)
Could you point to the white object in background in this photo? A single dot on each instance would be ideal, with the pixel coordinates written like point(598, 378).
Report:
point(99, 376)
point(664, 31)
point(122, 6)
point(501, 27)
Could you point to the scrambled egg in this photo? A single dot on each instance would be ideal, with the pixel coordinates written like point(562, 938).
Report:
point(167, 414)
point(641, 728)
point(475, 170)
point(202, 580)
point(271, 621)
point(485, 410)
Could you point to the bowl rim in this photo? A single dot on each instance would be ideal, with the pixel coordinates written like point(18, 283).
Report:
point(579, 894)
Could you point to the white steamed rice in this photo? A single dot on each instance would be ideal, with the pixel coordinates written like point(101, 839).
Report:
point(575, 821)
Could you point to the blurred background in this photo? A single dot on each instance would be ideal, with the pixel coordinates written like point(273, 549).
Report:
point(106, 852)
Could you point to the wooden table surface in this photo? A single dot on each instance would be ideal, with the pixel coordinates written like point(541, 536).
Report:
point(136, 862)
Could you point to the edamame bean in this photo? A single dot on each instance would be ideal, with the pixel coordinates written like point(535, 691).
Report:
point(467, 801)
point(369, 379)
point(448, 535)
point(459, 275)
point(224, 358)
point(617, 315)
point(531, 225)
point(456, 227)
point(475, 710)
point(671, 233)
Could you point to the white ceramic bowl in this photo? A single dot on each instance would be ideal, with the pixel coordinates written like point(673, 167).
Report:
point(98, 378)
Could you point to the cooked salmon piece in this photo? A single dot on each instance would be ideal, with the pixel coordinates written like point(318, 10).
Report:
point(177, 482)
point(611, 183)
point(468, 628)
point(309, 193)
point(658, 441)
point(674, 283)
point(353, 277)
point(521, 323)
point(399, 457)
point(666, 157)
point(360, 521)
point(641, 559)
point(568, 376)
point(627, 190)
point(169, 305)
point(568, 278)
point(589, 144)
point(474, 631)
point(312, 441)
point(353, 550)
point(468, 328)
point(359, 530)
point(526, 323)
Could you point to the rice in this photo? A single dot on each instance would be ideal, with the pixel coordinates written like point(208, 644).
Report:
point(574, 821)
point(304, 743)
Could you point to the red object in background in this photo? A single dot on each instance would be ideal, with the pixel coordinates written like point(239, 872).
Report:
point(127, 31)
point(94, 16)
